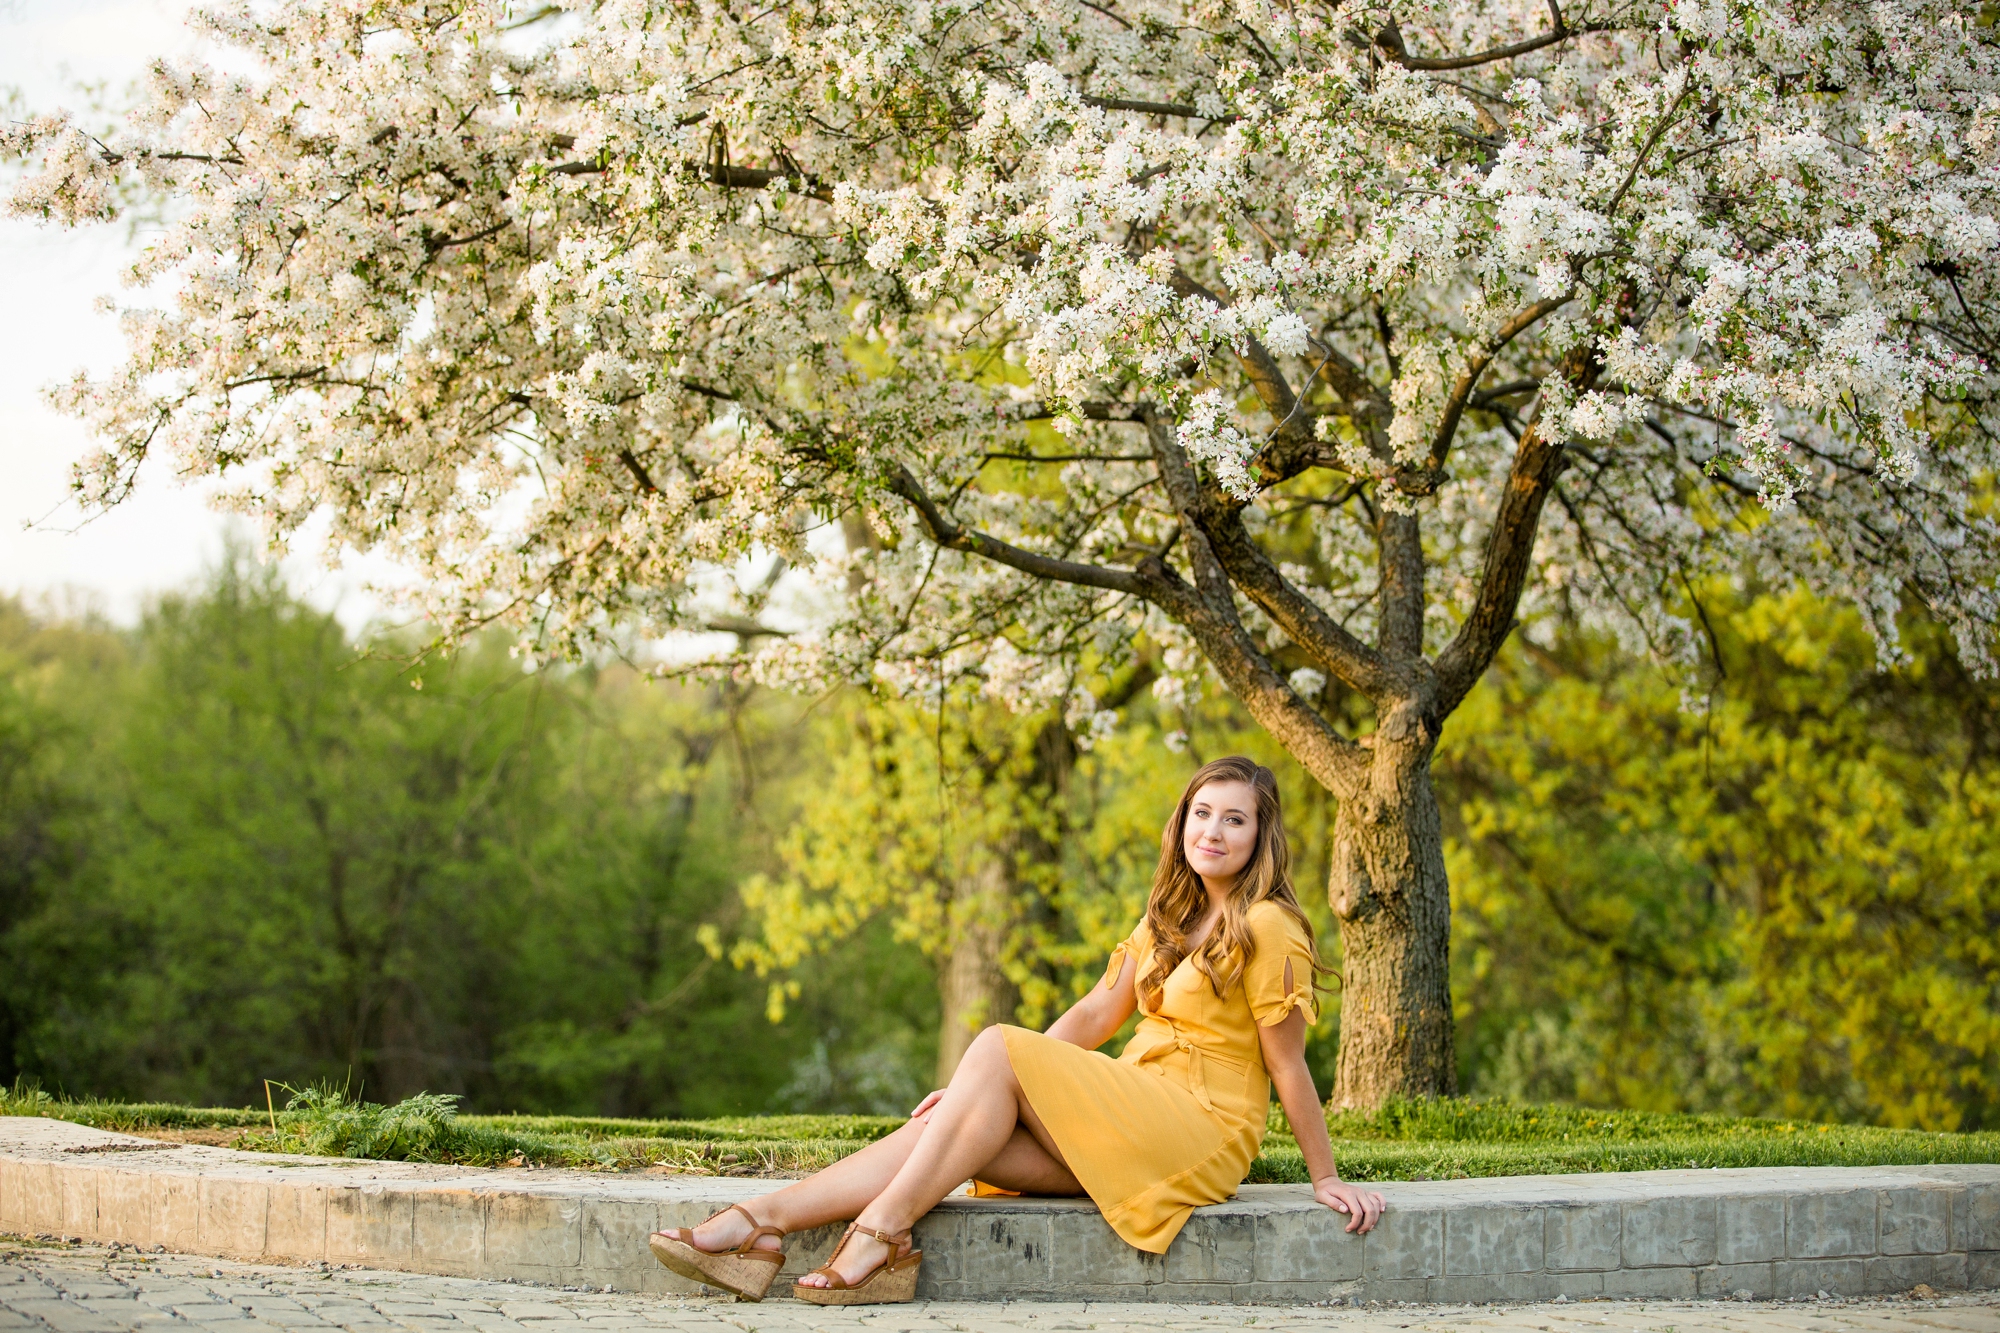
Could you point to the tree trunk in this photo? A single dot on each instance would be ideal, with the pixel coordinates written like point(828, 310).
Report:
point(972, 990)
point(1389, 894)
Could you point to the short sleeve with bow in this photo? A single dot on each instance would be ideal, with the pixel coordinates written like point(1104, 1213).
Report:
point(1279, 976)
point(1138, 946)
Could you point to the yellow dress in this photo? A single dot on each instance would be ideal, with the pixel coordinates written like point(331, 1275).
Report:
point(1175, 1121)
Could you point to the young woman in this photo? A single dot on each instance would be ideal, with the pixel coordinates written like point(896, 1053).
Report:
point(1221, 970)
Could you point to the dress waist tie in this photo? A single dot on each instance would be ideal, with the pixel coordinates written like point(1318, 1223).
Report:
point(1177, 1040)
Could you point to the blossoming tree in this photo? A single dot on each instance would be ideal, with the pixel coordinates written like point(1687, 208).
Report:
point(1363, 329)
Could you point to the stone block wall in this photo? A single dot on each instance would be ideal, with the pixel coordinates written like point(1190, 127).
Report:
point(1678, 1234)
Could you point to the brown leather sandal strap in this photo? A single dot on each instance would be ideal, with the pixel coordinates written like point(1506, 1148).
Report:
point(747, 1248)
point(834, 1281)
point(892, 1261)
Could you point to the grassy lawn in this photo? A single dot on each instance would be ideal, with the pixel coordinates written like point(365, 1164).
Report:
point(1419, 1140)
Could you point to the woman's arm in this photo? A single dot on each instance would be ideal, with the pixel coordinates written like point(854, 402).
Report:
point(1284, 1044)
point(1093, 1020)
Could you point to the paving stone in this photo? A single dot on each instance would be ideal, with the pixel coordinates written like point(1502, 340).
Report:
point(1842, 1277)
point(1750, 1281)
point(1493, 1241)
point(1215, 1248)
point(1892, 1273)
point(230, 1216)
point(448, 1231)
point(1405, 1244)
point(1650, 1283)
point(1824, 1225)
point(1317, 1248)
point(1668, 1232)
point(295, 1221)
point(370, 1224)
point(1582, 1237)
point(1914, 1221)
point(1751, 1227)
point(526, 1230)
point(1018, 1245)
point(1976, 1218)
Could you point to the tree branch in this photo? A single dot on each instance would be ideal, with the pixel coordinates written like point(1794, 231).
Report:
point(1399, 554)
point(1292, 446)
point(1091, 411)
point(1177, 474)
point(1225, 557)
point(1390, 42)
point(1157, 109)
point(1258, 364)
point(1068, 458)
point(952, 536)
point(1208, 611)
point(724, 175)
point(1323, 638)
point(638, 471)
point(1461, 392)
point(1510, 546)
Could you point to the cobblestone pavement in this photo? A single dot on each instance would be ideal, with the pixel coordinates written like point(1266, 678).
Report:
point(48, 1288)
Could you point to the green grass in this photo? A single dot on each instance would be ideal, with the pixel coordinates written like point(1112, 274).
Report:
point(325, 1122)
point(1454, 1138)
point(1437, 1140)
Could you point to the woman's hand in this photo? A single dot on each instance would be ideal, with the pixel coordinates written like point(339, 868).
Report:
point(924, 1107)
point(1363, 1207)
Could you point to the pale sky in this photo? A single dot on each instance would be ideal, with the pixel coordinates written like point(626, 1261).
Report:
point(50, 281)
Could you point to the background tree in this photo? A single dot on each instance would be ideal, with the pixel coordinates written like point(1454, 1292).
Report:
point(1370, 328)
point(1778, 893)
point(1768, 888)
point(242, 846)
point(954, 819)
point(995, 843)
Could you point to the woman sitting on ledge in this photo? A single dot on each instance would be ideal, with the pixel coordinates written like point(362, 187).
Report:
point(1221, 970)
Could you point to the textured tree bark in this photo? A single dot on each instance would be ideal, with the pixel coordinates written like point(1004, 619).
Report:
point(1388, 892)
point(972, 990)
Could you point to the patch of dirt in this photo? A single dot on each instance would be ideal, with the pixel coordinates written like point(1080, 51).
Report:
point(211, 1138)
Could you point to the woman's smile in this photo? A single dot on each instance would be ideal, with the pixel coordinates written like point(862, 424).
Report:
point(1221, 832)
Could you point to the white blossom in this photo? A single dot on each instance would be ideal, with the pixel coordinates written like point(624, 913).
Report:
point(581, 318)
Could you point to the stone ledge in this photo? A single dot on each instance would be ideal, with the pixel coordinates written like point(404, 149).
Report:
point(1774, 1232)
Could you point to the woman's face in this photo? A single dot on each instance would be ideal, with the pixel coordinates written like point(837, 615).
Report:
point(1221, 831)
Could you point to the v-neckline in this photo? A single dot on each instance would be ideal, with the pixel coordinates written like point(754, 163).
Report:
point(1195, 948)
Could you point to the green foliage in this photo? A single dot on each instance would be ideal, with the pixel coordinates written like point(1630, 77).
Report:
point(239, 845)
point(1776, 894)
point(326, 1122)
point(927, 806)
point(26, 1097)
point(235, 844)
point(856, 1129)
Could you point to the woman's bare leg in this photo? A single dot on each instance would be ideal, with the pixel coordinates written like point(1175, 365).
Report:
point(1026, 1167)
point(834, 1194)
point(978, 1118)
point(842, 1190)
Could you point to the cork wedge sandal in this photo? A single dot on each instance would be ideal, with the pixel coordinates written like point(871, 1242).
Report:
point(892, 1281)
point(744, 1271)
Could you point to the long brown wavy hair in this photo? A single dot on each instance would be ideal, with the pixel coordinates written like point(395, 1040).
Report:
point(1179, 899)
